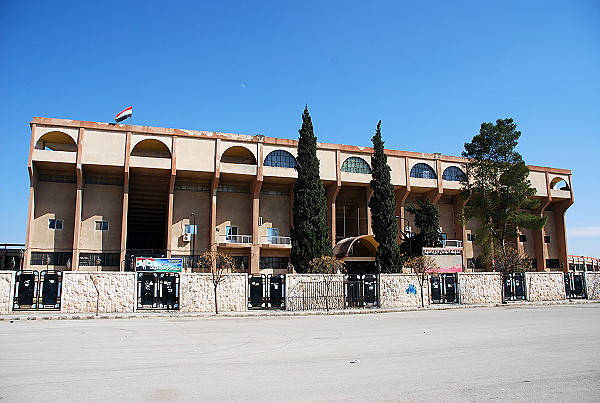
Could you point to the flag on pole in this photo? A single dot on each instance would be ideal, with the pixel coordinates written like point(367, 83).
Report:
point(124, 114)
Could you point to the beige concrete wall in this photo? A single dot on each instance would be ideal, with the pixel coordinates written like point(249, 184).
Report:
point(195, 154)
point(447, 219)
point(528, 247)
point(545, 286)
point(308, 291)
point(166, 140)
point(41, 130)
point(327, 164)
point(101, 203)
point(185, 203)
point(7, 285)
point(102, 148)
point(538, 181)
point(398, 290)
point(398, 172)
point(233, 209)
point(480, 288)
point(116, 292)
point(275, 211)
point(197, 293)
point(592, 280)
point(53, 200)
point(550, 249)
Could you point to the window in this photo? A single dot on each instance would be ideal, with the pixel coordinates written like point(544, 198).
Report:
point(470, 237)
point(192, 186)
point(233, 189)
point(546, 238)
point(275, 263)
point(422, 171)
point(272, 233)
point(55, 224)
point(281, 159)
point(190, 229)
point(104, 259)
point(231, 233)
point(56, 177)
point(101, 225)
point(275, 191)
point(552, 263)
point(522, 238)
point(356, 165)
point(444, 236)
point(453, 174)
point(103, 180)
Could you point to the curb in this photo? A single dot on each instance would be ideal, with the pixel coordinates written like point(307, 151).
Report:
point(25, 316)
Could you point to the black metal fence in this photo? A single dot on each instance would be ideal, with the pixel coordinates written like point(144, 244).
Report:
point(332, 292)
point(158, 290)
point(444, 288)
point(37, 290)
point(575, 285)
point(513, 285)
point(266, 291)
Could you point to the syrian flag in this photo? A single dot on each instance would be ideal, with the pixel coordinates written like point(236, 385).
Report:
point(124, 114)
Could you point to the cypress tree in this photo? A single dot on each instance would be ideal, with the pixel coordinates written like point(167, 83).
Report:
point(383, 209)
point(310, 234)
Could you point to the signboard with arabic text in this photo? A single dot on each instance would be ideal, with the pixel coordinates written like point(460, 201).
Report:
point(158, 264)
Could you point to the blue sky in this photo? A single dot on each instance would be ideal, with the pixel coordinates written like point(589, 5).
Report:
point(432, 71)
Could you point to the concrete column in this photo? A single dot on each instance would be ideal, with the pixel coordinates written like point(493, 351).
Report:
point(538, 237)
point(169, 231)
point(400, 196)
point(31, 210)
point(368, 210)
point(332, 192)
point(254, 261)
point(78, 202)
point(434, 195)
point(460, 228)
point(214, 184)
point(125, 208)
point(561, 233)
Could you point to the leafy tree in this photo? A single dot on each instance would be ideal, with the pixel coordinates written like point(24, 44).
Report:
point(496, 187)
point(330, 268)
point(310, 235)
point(383, 209)
point(427, 219)
point(510, 260)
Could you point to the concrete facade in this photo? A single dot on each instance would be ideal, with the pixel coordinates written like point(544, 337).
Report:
point(545, 286)
point(110, 192)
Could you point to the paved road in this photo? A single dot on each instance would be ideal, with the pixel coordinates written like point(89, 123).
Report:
point(538, 353)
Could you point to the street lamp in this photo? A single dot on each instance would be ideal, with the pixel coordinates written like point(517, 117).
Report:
point(407, 230)
point(193, 240)
point(21, 257)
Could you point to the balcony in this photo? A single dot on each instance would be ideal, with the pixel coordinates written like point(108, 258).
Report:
point(451, 243)
point(285, 241)
point(243, 239)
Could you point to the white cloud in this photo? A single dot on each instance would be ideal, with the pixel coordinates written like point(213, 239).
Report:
point(584, 231)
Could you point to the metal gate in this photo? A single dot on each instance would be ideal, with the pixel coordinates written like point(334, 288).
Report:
point(575, 285)
point(158, 290)
point(514, 286)
point(37, 291)
point(361, 290)
point(266, 291)
point(444, 288)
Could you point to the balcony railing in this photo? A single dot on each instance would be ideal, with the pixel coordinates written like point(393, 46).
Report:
point(236, 238)
point(277, 240)
point(452, 243)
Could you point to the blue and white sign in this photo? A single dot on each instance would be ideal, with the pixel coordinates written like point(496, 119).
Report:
point(158, 264)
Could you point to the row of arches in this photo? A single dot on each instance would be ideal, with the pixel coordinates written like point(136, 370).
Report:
point(59, 141)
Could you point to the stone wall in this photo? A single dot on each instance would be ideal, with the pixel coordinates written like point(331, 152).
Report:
point(197, 293)
point(306, 292)
point(399, 290)
point(6, 291)
point(480, 288)
point(116, 292)
point(545, 286)
point(592, 280)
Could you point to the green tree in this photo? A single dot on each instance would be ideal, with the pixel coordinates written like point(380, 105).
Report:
point(427, 219)
point(496, 189)
point(383, 209)
point(310, 234)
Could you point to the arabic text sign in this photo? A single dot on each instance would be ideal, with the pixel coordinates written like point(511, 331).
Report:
point(158, 264)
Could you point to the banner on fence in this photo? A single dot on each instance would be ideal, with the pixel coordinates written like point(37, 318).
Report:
point(158, 264)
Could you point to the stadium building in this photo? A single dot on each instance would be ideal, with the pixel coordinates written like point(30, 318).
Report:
point(101, 194)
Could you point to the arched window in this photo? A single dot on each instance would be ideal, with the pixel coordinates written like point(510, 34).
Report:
point(453, 173)
point(56, 141)
point(423, 171)
point(280, 158)
point(238, 155)
point(559, 184)
point(356, 165)
point(151, 148)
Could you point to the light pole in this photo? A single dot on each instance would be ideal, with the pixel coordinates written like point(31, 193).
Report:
point(193, 240)
point(21, 257)
point(407, 230)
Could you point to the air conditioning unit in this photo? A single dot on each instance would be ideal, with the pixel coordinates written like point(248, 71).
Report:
point(187, 237)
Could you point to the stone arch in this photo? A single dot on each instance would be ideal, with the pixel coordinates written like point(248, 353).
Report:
point(151, 148)
point(238, 155)
point(356, 165)
point(56, 141)
point(559, 183)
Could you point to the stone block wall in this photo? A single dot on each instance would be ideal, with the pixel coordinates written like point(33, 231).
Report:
point(309, 291)
point(7, 284)
point(197, 293)
point(480, 288)
point(400, 290)
point(592, 280)
point(545, 286)
point(116, 292)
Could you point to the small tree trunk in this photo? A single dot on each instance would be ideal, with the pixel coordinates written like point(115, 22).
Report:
point(216, 305)
point(422, 296)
